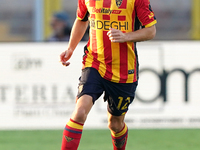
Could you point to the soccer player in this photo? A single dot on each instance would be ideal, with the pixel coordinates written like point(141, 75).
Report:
point(110, 62)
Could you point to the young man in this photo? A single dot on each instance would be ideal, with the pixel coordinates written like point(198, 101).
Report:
point(60, 26)
point(110, 63)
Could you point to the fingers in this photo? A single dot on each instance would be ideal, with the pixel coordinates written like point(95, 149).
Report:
point(62, 56)
point(66, 63)
point(115, 35)
point(112, 31)
point(65, 56)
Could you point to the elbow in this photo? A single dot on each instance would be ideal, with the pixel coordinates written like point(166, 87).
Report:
point(152, 32)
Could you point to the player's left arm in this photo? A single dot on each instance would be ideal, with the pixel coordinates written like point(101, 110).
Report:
point(144, 34)
point(147, 20)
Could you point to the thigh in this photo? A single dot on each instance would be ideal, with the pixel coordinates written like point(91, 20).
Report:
point(90, 84)
point(119, 96)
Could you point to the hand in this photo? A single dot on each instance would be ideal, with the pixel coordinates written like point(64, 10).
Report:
point(116, 36)
point(65, 56)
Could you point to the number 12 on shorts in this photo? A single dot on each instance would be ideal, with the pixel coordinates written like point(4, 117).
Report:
point(127, 102)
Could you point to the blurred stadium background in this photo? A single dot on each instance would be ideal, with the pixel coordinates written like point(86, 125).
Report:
point(37, 94)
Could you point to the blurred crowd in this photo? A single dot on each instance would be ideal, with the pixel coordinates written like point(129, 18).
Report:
point(60, 27)
point(17, 20)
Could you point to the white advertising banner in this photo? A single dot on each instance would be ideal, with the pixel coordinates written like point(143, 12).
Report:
point(37, 92)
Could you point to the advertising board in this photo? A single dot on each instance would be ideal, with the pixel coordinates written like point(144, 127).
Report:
point(37, 92)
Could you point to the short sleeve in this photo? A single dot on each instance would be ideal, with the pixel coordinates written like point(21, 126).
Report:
point(145, 13)
point(82, 12)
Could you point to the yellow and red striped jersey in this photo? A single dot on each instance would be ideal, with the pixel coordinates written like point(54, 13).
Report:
point(116, 62)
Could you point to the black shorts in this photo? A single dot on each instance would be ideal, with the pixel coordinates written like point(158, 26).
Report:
point(118, 95)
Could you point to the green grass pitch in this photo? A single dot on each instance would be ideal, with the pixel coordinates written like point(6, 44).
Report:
point(159, 139)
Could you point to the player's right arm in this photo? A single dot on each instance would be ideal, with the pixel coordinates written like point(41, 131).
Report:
point(78, 30)
point(77, 33)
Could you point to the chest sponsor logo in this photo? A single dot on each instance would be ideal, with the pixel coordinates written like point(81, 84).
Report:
point(106, 11)
point(105, 24)
point(118, 3)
